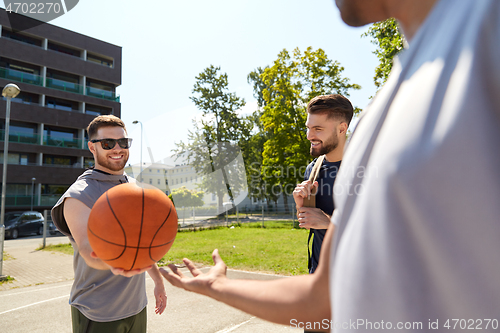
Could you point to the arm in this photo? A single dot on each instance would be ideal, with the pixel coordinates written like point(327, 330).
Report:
point(76, 214)
point(160, 293)
point(304, 298)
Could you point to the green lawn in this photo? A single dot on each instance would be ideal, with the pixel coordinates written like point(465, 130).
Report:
point(277, 248)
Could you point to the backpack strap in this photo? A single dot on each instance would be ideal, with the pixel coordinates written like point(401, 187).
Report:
point(309, 256)
point(310, 201)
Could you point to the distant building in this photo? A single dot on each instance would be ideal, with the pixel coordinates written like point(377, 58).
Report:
point(168, 177)
point(66, 80)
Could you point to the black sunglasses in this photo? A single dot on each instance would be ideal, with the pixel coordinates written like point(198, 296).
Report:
point(108, 144)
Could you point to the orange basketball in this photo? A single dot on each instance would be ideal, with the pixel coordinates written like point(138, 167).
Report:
point(132, 226)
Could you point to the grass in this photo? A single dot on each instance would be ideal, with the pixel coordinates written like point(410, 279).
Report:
point(7, 256)
point(6, 279)
point(63, 248)
point(277, 248)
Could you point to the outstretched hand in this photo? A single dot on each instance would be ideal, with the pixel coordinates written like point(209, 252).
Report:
point(201, 283)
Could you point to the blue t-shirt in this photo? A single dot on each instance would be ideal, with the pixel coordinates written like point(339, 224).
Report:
point(324, 201)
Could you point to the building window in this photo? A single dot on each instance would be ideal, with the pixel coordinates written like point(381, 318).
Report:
point(21, 38)
point(61, 104)
point(56, 160)
point(19, 158)
point(88, 162)
point(158, 182)
point(151, 181)
point(108, 62)
point(97, 110)
point(63, 49)
point(25, 98)
point(213, 196)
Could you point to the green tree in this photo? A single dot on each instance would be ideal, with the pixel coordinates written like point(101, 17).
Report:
point(389, 41)
point(283, 91)
point(212, 147)
point(182, 197)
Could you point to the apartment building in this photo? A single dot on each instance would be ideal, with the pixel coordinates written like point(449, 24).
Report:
point(66, 79)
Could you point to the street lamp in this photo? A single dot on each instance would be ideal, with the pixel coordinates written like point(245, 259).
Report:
point(32, 190)
point(9, 91)
point(135, 122)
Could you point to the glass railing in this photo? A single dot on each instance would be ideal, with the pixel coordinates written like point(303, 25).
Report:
point(18, 76)
point(49, 199)
point(64, 85)
point(59, 142)
point(101, 93)
point(75, 165)
point(21, 137)
point(12, 74)
point(20, 200)
point(25, 200)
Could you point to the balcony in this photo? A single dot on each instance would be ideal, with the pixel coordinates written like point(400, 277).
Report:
point(25, 200)
point(65, 143)
point(104, 94)
point(64, 86)
point(19, 200)
point(49, 199)
point(21, 137)
point(12, 74)
point(47, 141)
point(18, 76)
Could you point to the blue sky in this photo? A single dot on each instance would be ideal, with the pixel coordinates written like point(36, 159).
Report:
point(167, 43)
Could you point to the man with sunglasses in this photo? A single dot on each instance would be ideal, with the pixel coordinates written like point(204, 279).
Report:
point(103, 299)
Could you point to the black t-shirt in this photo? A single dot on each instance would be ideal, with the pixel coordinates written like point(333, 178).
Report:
point(324, 201)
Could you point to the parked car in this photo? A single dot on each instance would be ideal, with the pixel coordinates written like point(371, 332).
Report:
point(52, 229)
point(23, 223)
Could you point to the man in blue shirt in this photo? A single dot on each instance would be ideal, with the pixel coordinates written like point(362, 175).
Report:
point(328, 118)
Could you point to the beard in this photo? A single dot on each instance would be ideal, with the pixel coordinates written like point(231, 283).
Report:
point(102, 160)
point(325, 147)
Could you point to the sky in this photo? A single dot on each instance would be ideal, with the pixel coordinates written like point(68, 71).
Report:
point(166, 44)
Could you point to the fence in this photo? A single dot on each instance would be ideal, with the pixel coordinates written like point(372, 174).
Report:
point(202, 217)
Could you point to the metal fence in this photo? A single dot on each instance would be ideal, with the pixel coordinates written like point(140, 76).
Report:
point(203, 217)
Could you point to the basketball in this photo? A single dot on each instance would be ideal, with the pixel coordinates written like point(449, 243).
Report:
point(132, 226)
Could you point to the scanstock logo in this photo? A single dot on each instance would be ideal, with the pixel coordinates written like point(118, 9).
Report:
point(41, 11)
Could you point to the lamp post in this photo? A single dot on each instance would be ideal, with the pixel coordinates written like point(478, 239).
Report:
point(9, 91)
point(135, 122)
point(32, 190)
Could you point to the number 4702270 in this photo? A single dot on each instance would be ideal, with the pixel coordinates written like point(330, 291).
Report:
point(468, 324)
point(33, 8)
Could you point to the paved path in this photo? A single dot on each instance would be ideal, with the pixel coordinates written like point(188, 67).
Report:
point(37, 301)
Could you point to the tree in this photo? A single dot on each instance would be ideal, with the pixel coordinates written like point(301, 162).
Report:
point(283, 91)
point(182, 197)
point(390, 42)
point(212, 148)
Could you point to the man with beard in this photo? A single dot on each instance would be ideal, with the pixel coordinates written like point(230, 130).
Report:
point(328, 118)
point(103, 299)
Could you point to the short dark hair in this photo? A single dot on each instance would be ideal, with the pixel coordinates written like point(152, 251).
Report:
point(335, 105)
point(103, 121)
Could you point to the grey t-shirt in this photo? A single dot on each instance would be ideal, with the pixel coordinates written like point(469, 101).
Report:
point(417, 195)
point(99, 294)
